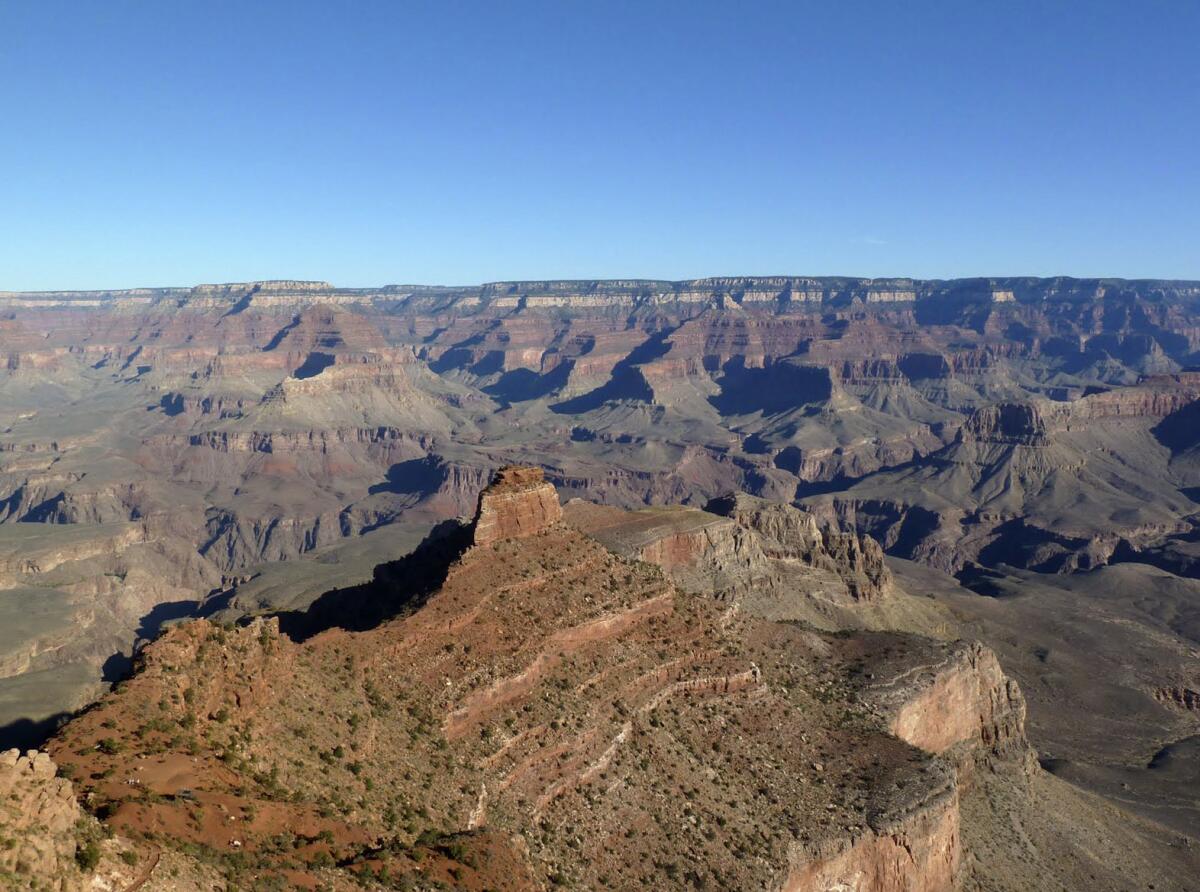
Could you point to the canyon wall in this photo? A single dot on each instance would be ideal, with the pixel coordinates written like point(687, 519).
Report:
point(960, 701)
point(549, 682)
point(918, 852)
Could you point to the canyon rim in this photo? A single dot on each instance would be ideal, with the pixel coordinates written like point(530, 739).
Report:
point(782, 583)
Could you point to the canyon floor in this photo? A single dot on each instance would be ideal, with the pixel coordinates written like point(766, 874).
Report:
point(762, 479)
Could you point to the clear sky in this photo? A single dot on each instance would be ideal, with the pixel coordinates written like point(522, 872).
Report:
point(154, 143)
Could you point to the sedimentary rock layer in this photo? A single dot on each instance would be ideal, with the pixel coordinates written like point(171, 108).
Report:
point(518, 503)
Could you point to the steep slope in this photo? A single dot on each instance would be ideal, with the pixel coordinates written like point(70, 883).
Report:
point(552, 693)
point(552, 713)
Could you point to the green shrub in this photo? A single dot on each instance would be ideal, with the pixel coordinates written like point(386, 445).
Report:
point(87, 856)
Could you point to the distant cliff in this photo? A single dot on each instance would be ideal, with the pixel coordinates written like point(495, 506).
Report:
point(745, 291)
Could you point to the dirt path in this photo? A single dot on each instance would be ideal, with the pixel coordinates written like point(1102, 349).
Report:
point(144, 876)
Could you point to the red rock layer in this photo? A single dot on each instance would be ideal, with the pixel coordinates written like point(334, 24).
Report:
point(518, 503)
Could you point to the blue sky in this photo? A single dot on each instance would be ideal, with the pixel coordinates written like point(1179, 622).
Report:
point(151, 143)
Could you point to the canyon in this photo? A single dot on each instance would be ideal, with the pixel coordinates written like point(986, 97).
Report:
point(717, 503)
point(550, 713)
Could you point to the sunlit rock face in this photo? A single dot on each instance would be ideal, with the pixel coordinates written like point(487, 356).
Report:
point(518, 503)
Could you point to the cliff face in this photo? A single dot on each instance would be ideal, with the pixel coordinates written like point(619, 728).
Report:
point(38, 832)
point(950, 700)
point(771, 560)
point(1015, 423)
point(1034, 423)
point(618, 293)
point(955, 699)
point(919, 852)
point(518, 503)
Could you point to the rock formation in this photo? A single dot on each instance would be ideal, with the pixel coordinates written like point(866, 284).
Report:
point(921, 853)
point(954, 699)
point(789, 535)
point(518, 503)
point(40, 812)
point(771, 560)
point(551, 713)
point(1050, 486)
point(553, 692)
point(269, 442)
point(1017, 423)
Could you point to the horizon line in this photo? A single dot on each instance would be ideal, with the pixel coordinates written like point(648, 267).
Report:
point(594, 280)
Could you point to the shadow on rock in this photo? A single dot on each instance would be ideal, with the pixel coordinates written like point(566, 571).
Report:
point(120, 665)
point(398, 588)
point(27, 734)
point(419, 477)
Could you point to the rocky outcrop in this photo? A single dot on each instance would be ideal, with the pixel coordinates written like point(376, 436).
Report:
point(518, 503)
point(38, 814)
point(1178, 697)
point(772, 560)
point(786, 534)
point(552, 692)
point(1014, 423)
point(952, 700)
point(916, 848)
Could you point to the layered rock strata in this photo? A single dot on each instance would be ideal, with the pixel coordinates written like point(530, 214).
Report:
point(952, 699)
point(772, 560)
point(518, 503)
point(920, 853)
point(256, 423)
point(552, 692)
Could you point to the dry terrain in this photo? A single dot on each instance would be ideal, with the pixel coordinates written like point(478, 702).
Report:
point(761, 480)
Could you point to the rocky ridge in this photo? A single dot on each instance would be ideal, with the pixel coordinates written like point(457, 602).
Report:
point(552, 689)
point(962, 702)
point(247, 426)
point(768, 559)
point(743, 291)
point(40, 814)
